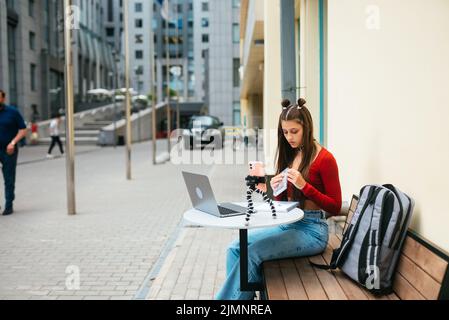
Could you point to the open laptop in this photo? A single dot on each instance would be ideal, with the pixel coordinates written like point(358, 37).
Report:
point(203, 198)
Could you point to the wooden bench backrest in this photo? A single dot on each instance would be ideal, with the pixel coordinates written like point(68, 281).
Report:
point(422, 272)
point(352, 207)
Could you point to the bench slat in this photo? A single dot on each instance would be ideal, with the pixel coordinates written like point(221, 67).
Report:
point(425, 259)
point(330, 284)
point(274, 281)
point(404, 290)
point(334, 243)
point(310, 280)
point(351, 289)
point(420, 280)
point(292, 280)
point(393, 296)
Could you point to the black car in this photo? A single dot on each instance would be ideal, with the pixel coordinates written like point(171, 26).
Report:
point(204, 131)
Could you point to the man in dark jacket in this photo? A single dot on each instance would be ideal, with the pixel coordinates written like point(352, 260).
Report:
point(12, 130)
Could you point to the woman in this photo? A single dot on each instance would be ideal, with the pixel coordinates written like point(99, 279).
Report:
point(313, 181)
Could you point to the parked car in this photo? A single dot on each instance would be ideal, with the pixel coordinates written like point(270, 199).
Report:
point(204, 131)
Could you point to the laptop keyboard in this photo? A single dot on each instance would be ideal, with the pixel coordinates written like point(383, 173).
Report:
point(226, 211)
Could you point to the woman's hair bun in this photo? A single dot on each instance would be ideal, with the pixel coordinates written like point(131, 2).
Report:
point(285, 103)
point(301, 102)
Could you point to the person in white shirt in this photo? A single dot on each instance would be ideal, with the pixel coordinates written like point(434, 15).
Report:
point(54, 134)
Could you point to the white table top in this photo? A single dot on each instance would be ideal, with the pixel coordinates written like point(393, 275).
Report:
point(258, 220)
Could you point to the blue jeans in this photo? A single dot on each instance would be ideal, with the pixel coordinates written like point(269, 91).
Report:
point(9, 164)
point(307, 237)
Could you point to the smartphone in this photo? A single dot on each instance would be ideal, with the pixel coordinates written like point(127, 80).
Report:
point(257, 169)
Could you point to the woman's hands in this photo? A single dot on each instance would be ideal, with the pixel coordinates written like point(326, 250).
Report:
point(274, 182)
point(295, 177)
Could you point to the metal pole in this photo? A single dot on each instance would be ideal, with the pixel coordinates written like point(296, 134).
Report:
point(167, 54)
point(117, 86)
point(178, 116)
point(138, 112)
point(153, 96)
point(70, 141)
point(128, 97)
point(114, 119)
point(257, 144)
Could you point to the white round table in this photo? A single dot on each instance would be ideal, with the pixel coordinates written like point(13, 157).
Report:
point(262, 219)
point(258, 220)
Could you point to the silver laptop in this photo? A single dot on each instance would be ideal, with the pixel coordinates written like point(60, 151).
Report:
point(203, 198)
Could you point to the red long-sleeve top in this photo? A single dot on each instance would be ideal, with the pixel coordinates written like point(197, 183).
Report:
point(323, 185)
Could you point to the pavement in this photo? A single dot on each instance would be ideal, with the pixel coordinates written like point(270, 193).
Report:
point(127, 240)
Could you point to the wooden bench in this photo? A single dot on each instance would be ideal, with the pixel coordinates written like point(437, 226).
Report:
point(422, 274)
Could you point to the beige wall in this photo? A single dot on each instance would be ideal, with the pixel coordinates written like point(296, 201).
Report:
point(388, 79)
point(309, 48)
point(272, 80)
point(252, 108)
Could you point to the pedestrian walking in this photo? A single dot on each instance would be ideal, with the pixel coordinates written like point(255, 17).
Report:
point(54, 134)
point(12, 130)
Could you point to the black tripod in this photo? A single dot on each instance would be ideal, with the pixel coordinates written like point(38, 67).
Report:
point(252, 182)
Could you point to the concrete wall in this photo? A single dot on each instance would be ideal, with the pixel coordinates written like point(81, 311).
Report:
point(388, 78)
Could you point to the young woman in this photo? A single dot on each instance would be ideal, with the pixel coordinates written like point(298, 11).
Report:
point(313, 181)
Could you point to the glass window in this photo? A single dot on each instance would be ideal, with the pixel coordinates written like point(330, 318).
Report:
point(204, 22)
point(237, 119)
point(139, 54)
point(11, 34)
point(110, 32)
point(236, 3)
point(32, 41)
point(201, 121)
point(139, 38)
point(138, 7)
point(205, 6)
point(236, 73)
point(235, 32)
point(139, 23)
point(205, 38)
point(31, 8)
point(33, 77)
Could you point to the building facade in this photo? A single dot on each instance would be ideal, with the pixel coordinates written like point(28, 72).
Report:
point(217, 57)
point(32, 54)
point(96, 60)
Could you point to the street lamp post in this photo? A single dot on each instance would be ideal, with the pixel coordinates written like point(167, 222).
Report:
point(70, 142)
point(137, 71)
point(128, 97)
point(167, 57)
point(114, 101)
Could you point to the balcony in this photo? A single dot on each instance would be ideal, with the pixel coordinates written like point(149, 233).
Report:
point(252, 45)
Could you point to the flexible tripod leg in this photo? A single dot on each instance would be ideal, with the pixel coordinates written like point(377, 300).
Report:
point(249, 199)
point(269, 201)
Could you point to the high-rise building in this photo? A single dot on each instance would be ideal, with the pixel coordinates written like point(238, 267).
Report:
point(217, 57)
point(94, 58)
point(32, 54)
point(174, 48)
